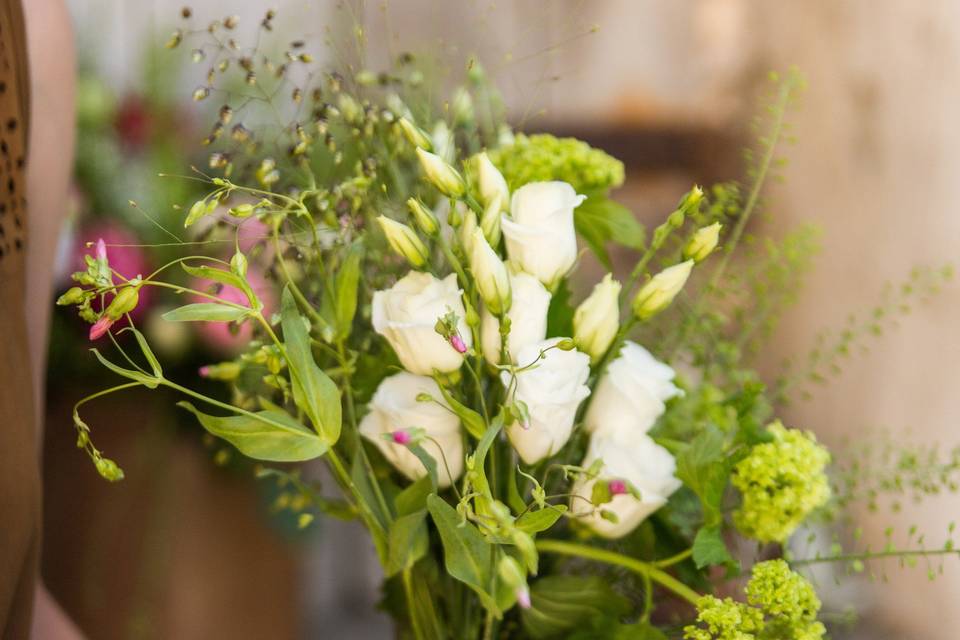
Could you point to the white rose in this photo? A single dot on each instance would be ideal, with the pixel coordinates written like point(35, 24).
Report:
point(627, 458)
point(597, 319)
point(539, 230)
point(528, 318)
point(395, 408)
point(631, 394)
point(552, 389)
point(406, 315)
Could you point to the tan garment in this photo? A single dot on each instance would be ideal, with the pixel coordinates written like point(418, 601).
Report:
point(19, 463)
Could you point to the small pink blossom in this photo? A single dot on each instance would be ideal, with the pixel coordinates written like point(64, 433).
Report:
point(100, 328)
point(457, 343)
point(617, 487)
point(401, 437)
point(204, 371)
point(523, 598)
point(101, 250)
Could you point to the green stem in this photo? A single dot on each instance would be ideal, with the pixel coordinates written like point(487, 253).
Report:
point(639, 567)
point(414, 618)
point(874, 555)
point(676, 559)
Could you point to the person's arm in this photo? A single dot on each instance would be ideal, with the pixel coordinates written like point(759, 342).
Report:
point(49, 166)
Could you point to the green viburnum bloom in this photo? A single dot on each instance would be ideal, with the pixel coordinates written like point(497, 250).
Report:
point(782, 482)
point(781, 605)
point(543, 157)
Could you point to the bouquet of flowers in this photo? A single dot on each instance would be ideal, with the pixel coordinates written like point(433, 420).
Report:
point(527, 462)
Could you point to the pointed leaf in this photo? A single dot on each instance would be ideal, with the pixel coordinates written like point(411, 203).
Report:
point(537, 521)
point(205, 312)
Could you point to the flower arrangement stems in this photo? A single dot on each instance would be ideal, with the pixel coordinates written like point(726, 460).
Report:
point(645, 569)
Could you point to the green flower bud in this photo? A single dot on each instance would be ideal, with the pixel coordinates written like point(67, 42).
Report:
point(490, 220)
point(596, 320)
point(491, 182)
point(445, 178)
point(425, 218)
point(404, 241)
point(238, 264)
point(242, 210)
point(490, 274)
point(414, 134)
point(703, 242)
point(124, 302)
point(656, 295)
point(73, 295)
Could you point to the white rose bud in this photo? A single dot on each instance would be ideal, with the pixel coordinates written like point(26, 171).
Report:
point(703, 242)
point(468, 225)
point(445, 178)
point(492, 182)
point(414, 134)
point(490, 274)
point(659, 292)
point(395, 410)
point(539, 230)
point(552, 389)
point(632, 393)
point(406, 315)
point(404, 241)
point(528, 318)
point(426, 219)
point(444, 144)
point(630, 462)
point(597, 319)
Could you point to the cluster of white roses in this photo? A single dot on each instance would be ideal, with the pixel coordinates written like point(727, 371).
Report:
point(548, 381)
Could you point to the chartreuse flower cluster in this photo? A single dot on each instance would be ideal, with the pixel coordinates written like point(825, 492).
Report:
point(781, 605)
point(782, 482)
point(543, 157)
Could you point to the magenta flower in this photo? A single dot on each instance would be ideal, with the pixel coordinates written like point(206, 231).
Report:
point(204, 371)
point(401, 437)
point(101, 251)
point(100, 328)
point(617, 487)
point(457, 343)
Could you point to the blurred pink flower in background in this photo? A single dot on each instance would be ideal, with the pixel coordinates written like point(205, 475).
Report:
point(128, 261)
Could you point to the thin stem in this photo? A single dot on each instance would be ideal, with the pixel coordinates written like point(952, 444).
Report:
point(609, 557)
point(873, 555)
point(408, 591)
point(672, 560)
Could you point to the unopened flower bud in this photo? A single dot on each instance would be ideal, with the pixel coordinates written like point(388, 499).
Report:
point(597, 319)
point(659, 292)
point(617, 487)
point(414, 134)
point(490, 221)
point(491, 181)
point(515, 578)
point(426, 219)
point(566, 344)
point(73, 295)
point(101, 250)
point(225, 371)
point(241, 210)
point(401, 437)
point(456, 341)
point(108, 469)
point(100, 328)
point(491, 275)
point(444, 177)
point(462, 106)
point(404, 241)
point(124, 302)
point(703, 242)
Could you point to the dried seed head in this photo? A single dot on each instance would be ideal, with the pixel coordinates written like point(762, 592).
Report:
point(297, 95)
point(246, 63)
point(200, 93)
point(297, 44)
point(306, 58)
point(219, 160)
point(175, 39)
point(240, 133)
point(223, 65)
point(251, 78)
point(198, 55)
point(226, 114)
point(230, 22)
point(186, 12)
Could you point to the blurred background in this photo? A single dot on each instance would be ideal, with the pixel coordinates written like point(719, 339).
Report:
point(189, 546)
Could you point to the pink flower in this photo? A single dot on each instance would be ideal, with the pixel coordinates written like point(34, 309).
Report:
point(128, 261)
point(401, 437)
point(617, 487)
point(457, 343)
point(101, 250)
point(100, 328)
point(523, 598)
point(226, 338)
point(204, 371)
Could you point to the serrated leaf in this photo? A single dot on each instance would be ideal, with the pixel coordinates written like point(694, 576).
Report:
point(704, 468)
point(561, 604)
point(265, 435)
point(205, 312)
point(313, 390)
point(709, 548)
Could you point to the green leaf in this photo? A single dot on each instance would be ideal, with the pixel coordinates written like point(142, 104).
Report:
point(313, 391)
point(704, 467)
point(472, 421)
point(610, 629)
point(537, 521)
point(228, 278)
point(407, 542)
point(709, 548)
point(560, 313)
point(347, 284)
point(205, 312)
point(414, 497)
point(600, 220)
point(561, 604)
point(146, 380)
point(467, 556)
point(264, 435)
point(428, 462)
point(146, 350)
